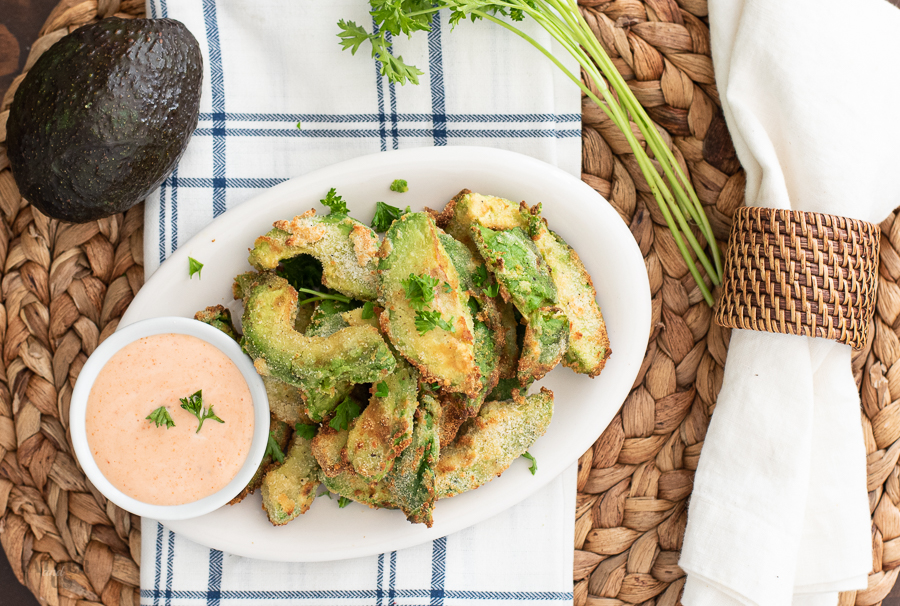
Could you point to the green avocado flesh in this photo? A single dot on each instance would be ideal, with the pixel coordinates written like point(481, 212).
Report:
point(103, 116)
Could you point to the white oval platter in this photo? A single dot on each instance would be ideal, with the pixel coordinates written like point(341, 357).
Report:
point(583, 406)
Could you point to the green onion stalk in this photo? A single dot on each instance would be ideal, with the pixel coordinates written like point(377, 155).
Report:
point(563, 20)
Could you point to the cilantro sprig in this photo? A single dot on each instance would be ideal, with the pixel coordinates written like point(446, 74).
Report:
point(274, 450)
point(161, 417)
point(385, 214)
point(345, 412)
point(429, 320)
point(194, 405)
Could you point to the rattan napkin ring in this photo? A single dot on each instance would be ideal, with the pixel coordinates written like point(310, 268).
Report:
point(800, 273)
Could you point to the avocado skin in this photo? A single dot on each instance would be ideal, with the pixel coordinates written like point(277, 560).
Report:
point(103, 116)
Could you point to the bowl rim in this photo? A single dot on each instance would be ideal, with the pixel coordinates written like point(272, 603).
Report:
point(88, 375)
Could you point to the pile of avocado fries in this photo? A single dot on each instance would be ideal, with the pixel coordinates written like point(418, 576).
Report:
point(403, 380)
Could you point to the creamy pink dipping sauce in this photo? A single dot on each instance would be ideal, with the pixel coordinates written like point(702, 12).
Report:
point(177, 465)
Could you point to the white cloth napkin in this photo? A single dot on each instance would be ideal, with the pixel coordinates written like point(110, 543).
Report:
point(779, 512)
point(269, 64)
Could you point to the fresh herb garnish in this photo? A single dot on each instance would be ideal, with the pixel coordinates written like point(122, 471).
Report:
point(343, 502)
point(368, 310)
point(562, 20)
point(385, 214)
point(274, 450)
point(493, 290)
point(474, 307)
point(321, 296)
point(481, 275)
point(335, 203)
point(352, 36)
point(400, 186)
point(194, 405)
point(533, 468)
point(194, 267)
point(419, 289)
point(305, 431)
point(161, 417)
point(427, 320)
point(302, 271)
point(345, 412)
point(381, 390)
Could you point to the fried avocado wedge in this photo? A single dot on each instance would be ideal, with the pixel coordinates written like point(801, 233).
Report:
point(525, 280)
point(356, 354)
point(413, 478)
point(219, 317)
point(488, 444)
point(384, 429)
point(289, 489)
point(345, 247)
point(467, 209)
point(410, 485)
point(588, 347)
point(426, 315)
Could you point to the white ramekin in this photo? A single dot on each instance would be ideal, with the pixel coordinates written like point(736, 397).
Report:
point(146, 328)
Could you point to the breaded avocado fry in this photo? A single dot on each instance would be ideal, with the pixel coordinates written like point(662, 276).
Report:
point(468, 208)
point(525, 279)
point(384, 429)
point(588, 347)
point(412, 480)
point(289, 489)
point(345, 247)
point(434, 333)
point(219, 317)
point(315, 364)
point(490, 442)
point(328, 448)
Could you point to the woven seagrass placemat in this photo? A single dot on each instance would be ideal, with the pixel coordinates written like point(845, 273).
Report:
point(64, 288)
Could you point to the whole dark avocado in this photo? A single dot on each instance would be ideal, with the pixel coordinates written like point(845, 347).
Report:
point(103, 116)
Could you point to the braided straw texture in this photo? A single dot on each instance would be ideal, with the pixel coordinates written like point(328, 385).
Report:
point(64, 287)
point(800, 273)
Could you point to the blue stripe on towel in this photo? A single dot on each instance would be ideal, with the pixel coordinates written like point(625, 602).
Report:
point(378, 117)
point(217, 85)
point(436, 79)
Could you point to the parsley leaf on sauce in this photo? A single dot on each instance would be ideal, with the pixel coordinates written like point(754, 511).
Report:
point(194, 405)
point(161, 417)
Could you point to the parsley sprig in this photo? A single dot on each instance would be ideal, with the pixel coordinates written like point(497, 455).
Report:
point(306, 431)
point(345, 412)
point(161, 417)
point(419, 289)
point(343, 502)
point(562, 20)
point(194, 405)
point(194, 267)
point(400, 186)
point(335, 203)
point(274, 450)
point(429, 320)
point(381, 390)
point(530, 457)
point(385, 214)
point(368, 310)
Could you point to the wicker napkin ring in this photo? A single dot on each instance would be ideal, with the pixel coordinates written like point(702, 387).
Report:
point(800, 273)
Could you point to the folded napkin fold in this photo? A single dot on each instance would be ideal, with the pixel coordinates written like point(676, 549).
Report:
point(779, 513)
point(269, 64)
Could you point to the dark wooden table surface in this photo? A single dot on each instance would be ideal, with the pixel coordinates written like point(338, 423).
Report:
point(20, 22)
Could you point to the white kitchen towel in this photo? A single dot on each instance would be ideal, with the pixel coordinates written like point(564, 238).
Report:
point(269, 65)
point(779, 513)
